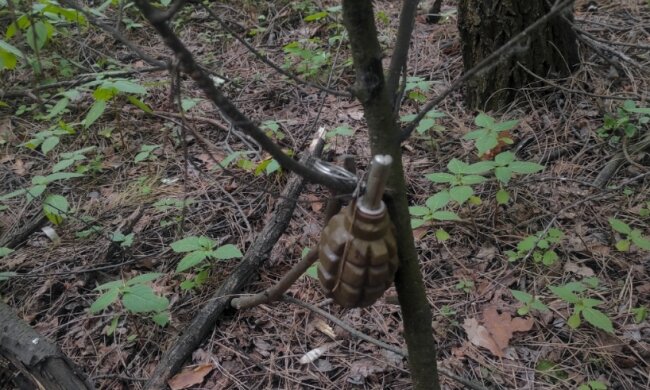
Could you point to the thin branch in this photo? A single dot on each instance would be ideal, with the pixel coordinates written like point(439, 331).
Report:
point(268, 62)
point(275, 292)
point(402, 42)
point(189, 66)
point(493, 59)
point(360, 335)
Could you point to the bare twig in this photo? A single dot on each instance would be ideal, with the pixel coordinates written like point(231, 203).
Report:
point(171, 11)
point(493, 59)
point(274, 292)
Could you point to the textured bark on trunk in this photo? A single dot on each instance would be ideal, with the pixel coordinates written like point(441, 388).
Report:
point(485, 25)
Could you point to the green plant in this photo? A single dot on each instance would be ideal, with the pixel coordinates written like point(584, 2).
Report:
point(593, 385)
point(415, 88)
point(573, 293)
point(312, 271)
point(432, 211)
point(342, 131)
point(627, 122)
point(306, 57)
point(125, 240)
point(542, 244)
point(109, 90)
point(489, 133)
point(640, 314)
point(465, 285)
point(69, 158)
point(167, 204)
point(201, 248)
point(145, 153)
point(428, 124)
point(528, 301)
point(49, 139)
point(136, 296)
point(631, 236)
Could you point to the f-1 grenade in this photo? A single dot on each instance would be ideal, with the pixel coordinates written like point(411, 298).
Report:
point(357, 250)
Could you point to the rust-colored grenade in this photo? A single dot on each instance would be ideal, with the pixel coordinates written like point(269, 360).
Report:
point(358, 251)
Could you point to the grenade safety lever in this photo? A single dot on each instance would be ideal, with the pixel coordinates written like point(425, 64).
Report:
point(357, 250)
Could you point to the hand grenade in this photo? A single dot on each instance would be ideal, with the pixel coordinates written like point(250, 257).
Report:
point(357, 250)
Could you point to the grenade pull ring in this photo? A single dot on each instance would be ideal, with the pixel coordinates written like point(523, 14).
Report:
point(358, 250)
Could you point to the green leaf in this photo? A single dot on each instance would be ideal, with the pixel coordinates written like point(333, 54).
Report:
point(574, 320)
point(590, 302)
point(416, 223)
point(623, 245)
point(639, 240)
point(525, 167)
point(457, 166)
point(502, 196)
point(565, 293)
point(478, 168)
point(36, 35)
point(140, 298)
point(419, 211)
point(527, 244)
point(34, 192)
point(96, 110)
point(161, 319)
point(115, 284)
point(58, 108)
point(504, 158)
point(598, 319)
point(63, 164)
point(472, 179)
point(140, 104)
point(54, 177)
point(441, 177)
point(445, 216)
point(10, 49)
point(144, 278)
point(113, 326)
point(476, 134)
point(127, 87)
point(537, 305)
point(228, 251)
point(193, 243)
point(192, 259)
point(55, 208)
point(438, 200)
point(640, 314)
point(12, 194)
point(104, 300)
point(312, 271)
point(442, 235)
point(484, 120)
point(461, 193)
point(597, 385)
point(522, 296)
point(503, 126)
point(486, 143)
point(316, 16)
point(550, 257)
point(4, 251)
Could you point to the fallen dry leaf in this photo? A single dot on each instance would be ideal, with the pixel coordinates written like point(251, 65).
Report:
point(315, 202)
point(497, 330)
point(570, 266)
point(190, 376)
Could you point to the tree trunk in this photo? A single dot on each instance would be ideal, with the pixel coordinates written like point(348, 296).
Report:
point(550, 51)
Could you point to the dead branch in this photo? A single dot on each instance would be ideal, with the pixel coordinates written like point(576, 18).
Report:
point(37, 359)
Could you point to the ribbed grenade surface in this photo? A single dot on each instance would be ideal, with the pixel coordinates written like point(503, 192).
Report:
point(358, 257)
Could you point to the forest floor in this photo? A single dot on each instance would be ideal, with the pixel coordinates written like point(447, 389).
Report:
point(469, 275)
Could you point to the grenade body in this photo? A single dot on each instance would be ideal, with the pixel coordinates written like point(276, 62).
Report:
point(358, 256)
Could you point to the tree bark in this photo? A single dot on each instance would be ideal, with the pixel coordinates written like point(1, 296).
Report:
point(384, 136)
point(484, 26)
point(40, 361)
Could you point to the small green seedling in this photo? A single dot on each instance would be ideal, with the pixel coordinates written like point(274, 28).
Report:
point(574, 294)
point(542, 246)
point(136, 296)
point(465, 285)
point(432, 211)
point(528, 301)
point(428, 125)
point(631, 236)
point(125, 240)
point(145, 153)
point(627, 122)
point(416, 87)
point(593, 385)
point(488, 135)
point(201, 248)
